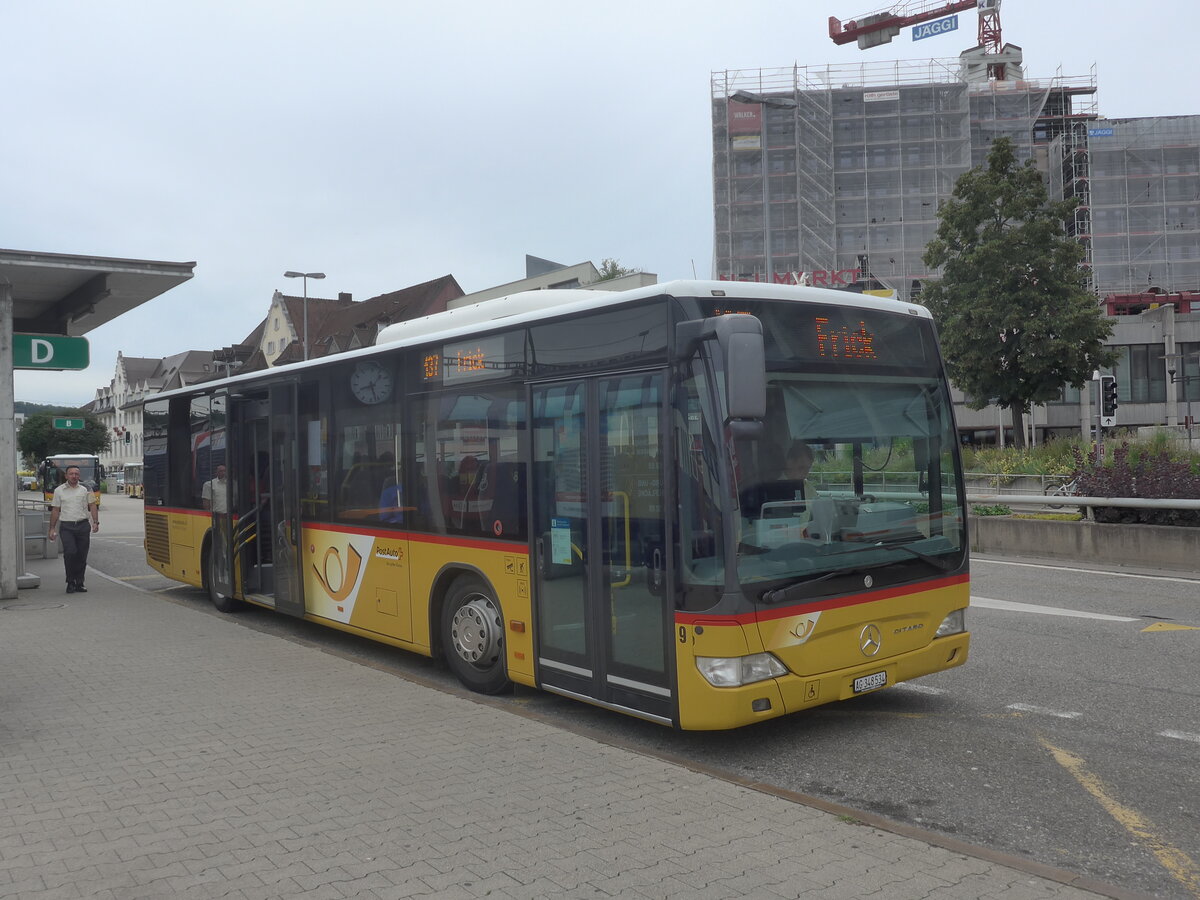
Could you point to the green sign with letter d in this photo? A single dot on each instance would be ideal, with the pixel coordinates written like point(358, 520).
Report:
point(50, 351)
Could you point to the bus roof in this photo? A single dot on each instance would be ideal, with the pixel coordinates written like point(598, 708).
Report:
point(531, 306)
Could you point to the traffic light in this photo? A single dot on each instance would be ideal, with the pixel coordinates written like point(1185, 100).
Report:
point(1108, 401)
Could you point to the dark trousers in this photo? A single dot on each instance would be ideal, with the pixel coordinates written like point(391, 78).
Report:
point(76, 539)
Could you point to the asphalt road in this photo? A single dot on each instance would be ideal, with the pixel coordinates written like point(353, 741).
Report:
point(1071, 737)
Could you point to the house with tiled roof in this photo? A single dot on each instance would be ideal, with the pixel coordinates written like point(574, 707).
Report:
point(341, 325)
point(284, 324)
point(118, 405)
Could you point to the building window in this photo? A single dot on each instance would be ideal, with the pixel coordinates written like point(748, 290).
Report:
point(270, 346)
point(275, 324)
point(1141, 374)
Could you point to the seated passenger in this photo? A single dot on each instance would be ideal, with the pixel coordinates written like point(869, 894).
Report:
point(391, 502)
point(796, 468)
point(788, 485)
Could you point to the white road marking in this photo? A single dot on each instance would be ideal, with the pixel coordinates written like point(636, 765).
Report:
point(1107, 572)
point(920, 688)
point(1042, 711)
point(1012, 606)
point(1180, 736)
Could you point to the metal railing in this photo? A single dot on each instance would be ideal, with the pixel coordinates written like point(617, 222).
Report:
point(1079, 500)
point(1057, 491)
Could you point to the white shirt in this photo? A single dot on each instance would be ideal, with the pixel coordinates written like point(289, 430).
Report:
point(215, 492)
point(72, 502)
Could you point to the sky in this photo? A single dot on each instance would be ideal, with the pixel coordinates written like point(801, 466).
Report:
point(389, 143)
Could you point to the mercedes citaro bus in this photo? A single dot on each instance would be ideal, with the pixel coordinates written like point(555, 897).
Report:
point(584, 492)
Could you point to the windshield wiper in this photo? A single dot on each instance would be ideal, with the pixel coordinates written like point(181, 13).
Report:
point(781, 594)
point(944, 564)
point(917, 554)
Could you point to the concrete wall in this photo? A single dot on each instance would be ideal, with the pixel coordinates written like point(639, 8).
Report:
point(1156, 546)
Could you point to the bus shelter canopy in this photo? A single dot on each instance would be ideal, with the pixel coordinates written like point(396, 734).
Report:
point(60, 293)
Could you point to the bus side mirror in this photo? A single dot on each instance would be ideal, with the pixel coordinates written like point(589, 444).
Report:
point(741, 341)
point(745, 376)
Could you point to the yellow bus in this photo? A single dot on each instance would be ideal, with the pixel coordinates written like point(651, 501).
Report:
point(52, 471)
point(133, 480)
point(583, 492)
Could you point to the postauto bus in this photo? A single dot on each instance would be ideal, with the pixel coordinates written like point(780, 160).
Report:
point(583, 492)
point(52, 471)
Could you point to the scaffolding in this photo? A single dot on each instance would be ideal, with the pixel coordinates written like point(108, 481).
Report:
point(859, 158)
point(1145, 204)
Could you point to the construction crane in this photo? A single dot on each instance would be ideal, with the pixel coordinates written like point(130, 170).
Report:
point(875, 28)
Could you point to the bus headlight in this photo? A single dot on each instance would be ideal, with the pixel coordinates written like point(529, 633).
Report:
point(734, 671)
point(955, 623)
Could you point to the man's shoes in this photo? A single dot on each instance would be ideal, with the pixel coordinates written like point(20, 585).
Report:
point(70, 587)
point(80, 588)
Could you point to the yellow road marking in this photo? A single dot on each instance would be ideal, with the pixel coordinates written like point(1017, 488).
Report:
point(1174, 860)
point(1167, 626)
point(137, 577)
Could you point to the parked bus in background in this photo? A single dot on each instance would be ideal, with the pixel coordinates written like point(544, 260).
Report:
point(586, 492)
point(52, 471)
point(133, 479)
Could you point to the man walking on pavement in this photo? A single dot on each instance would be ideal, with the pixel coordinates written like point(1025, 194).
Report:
point(74, 505)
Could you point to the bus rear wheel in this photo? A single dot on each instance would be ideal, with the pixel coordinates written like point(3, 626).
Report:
point(473, 636)
point(222, 601)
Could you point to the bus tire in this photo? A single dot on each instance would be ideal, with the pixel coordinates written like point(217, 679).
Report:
point(473, 636)
point(223, 602)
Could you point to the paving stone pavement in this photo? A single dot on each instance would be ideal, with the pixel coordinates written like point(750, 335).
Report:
point(147, 751)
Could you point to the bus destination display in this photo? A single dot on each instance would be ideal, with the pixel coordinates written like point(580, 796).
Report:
point(839, 342)
point(838, 335)
point(474, 360)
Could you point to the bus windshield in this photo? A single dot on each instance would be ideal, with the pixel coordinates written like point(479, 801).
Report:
point(855, 478)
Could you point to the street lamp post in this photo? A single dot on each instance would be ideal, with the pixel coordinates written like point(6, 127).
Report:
point(1185, 379)
point(765, 101)
point(305, 276)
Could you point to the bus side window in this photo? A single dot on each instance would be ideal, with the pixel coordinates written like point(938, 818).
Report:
point(508, 489)
point(476, 468)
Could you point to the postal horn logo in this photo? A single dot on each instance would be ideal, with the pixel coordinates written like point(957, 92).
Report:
point(803, 627)
point(336, 578)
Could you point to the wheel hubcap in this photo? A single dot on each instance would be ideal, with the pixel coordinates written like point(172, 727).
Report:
point(477, 632)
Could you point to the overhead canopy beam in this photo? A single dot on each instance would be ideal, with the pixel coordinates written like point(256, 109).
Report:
point(78, 304)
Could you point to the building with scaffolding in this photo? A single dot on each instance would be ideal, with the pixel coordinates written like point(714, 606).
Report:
point(837, 172)
point(1145, 205)
point(834, 174)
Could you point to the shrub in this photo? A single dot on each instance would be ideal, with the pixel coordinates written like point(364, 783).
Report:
point(998, 509)
point(1148, 471)
point(1056, 457)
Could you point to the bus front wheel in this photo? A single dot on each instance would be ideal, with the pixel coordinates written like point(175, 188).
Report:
point(473, 636)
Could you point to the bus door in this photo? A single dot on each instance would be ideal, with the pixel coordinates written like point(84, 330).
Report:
point(267, 497)
point(285, 500)
point(600, 540)
point(220, 501)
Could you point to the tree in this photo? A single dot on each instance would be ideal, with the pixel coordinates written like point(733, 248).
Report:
point(39, 438)
point(611, 268)
point(1016, 321)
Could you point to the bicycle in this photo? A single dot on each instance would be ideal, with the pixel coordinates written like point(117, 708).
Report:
point(1062, 489)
